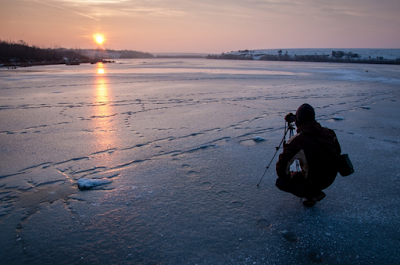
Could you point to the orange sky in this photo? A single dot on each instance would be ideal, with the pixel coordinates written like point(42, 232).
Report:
point(203, 26)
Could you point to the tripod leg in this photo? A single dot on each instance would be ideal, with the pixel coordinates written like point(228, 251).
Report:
point(270, 162)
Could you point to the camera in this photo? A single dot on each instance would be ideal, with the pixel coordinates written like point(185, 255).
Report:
point(290, 117)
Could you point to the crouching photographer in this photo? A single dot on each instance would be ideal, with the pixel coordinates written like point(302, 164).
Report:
point(316, 150)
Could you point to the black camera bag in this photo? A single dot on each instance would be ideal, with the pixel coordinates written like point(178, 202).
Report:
point(345, 167)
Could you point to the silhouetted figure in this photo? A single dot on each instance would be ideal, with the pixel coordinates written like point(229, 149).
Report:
point(317, 150)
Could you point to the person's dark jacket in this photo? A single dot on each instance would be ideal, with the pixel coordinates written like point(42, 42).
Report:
point(317, 148)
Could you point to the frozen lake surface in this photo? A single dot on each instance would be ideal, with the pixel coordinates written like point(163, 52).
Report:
point(170, 146)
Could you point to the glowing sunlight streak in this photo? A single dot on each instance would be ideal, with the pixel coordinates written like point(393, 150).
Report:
point(103, 115)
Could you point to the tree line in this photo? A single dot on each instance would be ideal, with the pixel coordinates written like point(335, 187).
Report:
point(20, 53)
point(133, 54)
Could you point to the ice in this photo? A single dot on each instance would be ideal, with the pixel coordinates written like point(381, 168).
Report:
point(177, 141)
point(258, 139)
point(87, 184)
point(338, 118)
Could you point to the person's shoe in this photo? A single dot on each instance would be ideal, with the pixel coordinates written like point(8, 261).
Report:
point(310, 202)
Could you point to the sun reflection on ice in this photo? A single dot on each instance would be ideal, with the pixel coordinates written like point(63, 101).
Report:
point(102, 93)
point(100, 71)
point(103, 115)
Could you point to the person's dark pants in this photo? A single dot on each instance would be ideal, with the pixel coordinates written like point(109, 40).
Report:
point(298, 187)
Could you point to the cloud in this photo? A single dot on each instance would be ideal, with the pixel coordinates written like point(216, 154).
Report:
point(319, 8)
point(154, 11)
point(118, 8)
point(66, 9)
point(95, 2)
point(341, 10)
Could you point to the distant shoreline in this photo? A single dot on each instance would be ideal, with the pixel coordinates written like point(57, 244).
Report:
point(29, 64)
point(16, 55)
point(310, 60)
point(363, 56)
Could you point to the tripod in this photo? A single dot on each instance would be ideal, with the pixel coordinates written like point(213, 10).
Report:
point(289, 127)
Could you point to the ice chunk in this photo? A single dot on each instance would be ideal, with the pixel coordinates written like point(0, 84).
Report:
point(87, 184)
point(258, 139)
point(338, 118)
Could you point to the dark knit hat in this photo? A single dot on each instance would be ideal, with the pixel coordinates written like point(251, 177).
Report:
point(305, 113)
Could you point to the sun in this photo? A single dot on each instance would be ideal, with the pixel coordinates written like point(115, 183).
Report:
point(98, 38)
